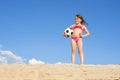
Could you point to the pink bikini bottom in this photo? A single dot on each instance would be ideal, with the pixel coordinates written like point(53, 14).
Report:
point(76, 39)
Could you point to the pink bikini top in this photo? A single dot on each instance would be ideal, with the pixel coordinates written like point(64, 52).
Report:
point(77, 27)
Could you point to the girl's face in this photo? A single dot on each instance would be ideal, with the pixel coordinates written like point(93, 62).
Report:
point(77, 20)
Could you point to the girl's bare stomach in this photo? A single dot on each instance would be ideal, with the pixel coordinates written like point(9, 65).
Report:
point(76, 33)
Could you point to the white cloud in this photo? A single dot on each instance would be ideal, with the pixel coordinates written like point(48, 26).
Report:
point(3, 60)
point(7, 57)
point(59, 63)
point(34, 61)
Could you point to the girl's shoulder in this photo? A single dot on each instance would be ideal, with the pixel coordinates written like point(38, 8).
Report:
point(83, 27)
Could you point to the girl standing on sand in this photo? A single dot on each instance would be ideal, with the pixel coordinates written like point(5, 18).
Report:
point(76, 38)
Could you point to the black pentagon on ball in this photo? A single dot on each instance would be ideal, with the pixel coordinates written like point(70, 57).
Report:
point(71, 33)
point(67, 35)
point(67, 31)
point(70, 28)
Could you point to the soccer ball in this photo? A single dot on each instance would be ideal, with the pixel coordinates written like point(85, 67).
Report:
point(68, 32)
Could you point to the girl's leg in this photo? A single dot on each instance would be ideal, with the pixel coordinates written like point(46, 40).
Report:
point(73, 45)
point(80, 50)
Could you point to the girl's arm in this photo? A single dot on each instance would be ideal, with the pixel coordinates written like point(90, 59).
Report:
point(72, 26)
point(87, 33)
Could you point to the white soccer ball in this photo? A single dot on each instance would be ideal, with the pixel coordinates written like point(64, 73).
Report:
point(68, 32)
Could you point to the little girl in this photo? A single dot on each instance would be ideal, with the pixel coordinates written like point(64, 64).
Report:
point(76, 38)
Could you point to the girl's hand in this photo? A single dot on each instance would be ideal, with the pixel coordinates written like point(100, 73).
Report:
point(81, 36)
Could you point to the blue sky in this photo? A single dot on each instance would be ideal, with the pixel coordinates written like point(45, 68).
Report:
point(33, 29)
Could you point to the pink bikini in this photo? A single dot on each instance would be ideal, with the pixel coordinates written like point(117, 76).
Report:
point(77, 27)
point(76, 39)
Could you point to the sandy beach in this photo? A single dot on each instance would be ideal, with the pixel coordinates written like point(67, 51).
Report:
point(59, 72)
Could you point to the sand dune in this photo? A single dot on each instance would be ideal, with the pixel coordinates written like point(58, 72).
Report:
point(59, 72)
